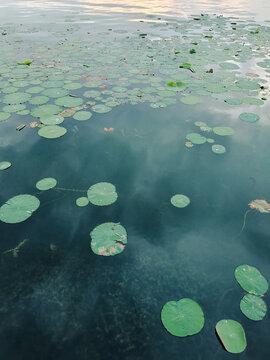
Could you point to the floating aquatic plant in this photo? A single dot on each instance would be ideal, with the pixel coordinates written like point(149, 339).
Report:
point(182, 318)
point(108, 239)
point(232, 335)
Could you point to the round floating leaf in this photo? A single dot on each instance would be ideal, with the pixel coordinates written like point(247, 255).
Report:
point(69, 101)
point(252, 101)
point(55, 92)
point(16, 98)
point(101, 108)
point(249, 117)
point(45, 111)
point(18, 208)
point(4, 116)
point(196, 138)
point(82, 201)
point(4, 165)
point(218, 149)
point(191, 100)
point(223, 131)
point(52, 131)
point(46, 184)
point(102, 194)
point(13, 108)
point(182, 318)
point(251, 280)
point(34, 90)
point(229, 66)
point(180, 201)
point(38, 100)
point(233, 101)
point(232, 336)
point(108, 239)
point(72, 86)
point(253, 307)
point(247, 84)
point(52, 120)
point(82, 115)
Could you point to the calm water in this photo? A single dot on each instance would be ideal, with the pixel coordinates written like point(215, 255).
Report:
point(58, 300)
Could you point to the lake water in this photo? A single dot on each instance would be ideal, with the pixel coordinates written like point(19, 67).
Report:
point(58, 299)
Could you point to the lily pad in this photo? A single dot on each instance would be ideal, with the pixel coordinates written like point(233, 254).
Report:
point(39, 100)
point(232, 336)
point(16, 98)
point(108, 239)
point(218, 149)
point(4, 116)
point(223, 131)
point(82, 115)
point(46, 184)
point(196, 138)
point(55, 92)
point(191, 100)
point(82, 201)
point(69, 101)
point(102, 194)
point(52, 120)
point(102, 109)
point(18, 208)
point(249, 117)
point(4, 165)
point(45, 111)
point(52, 131)
point(253, 307)
point(182, 318)
point(180, 201)
point(251, 280)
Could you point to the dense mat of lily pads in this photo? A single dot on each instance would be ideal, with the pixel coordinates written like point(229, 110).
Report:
point(194, 62)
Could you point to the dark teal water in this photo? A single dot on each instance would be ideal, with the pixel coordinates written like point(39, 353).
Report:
point(65, 302)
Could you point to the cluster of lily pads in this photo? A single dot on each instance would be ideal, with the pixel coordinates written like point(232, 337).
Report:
point(198, 139)
point(127, 68)
point(185, 317)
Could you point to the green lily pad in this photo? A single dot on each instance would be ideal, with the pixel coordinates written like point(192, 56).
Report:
point(46, 184)
point(82, 201)
point(196, 138)
point(249, 117)
point(82, 115)
point(191, 100)
point(182, 318)
point(252, 101)
point(233, 101)
point(102, 194)
point(55, 92)
point(52, 120)
point(18, 208)
point(232, 336)
point(69, 101)
point(52, 131)
point(16, 98)
point(180, 201)
point(4, 116)
point(13, 108)
point(218, 149)
point(223, 131)
point(247, 84)
point(108, 239)
point(39, 100)
point(102, 109)
point(44, 111)
point(34, 89)
point(72, 86)
point(251, 280)
point(4, 165)
point(253, 307)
